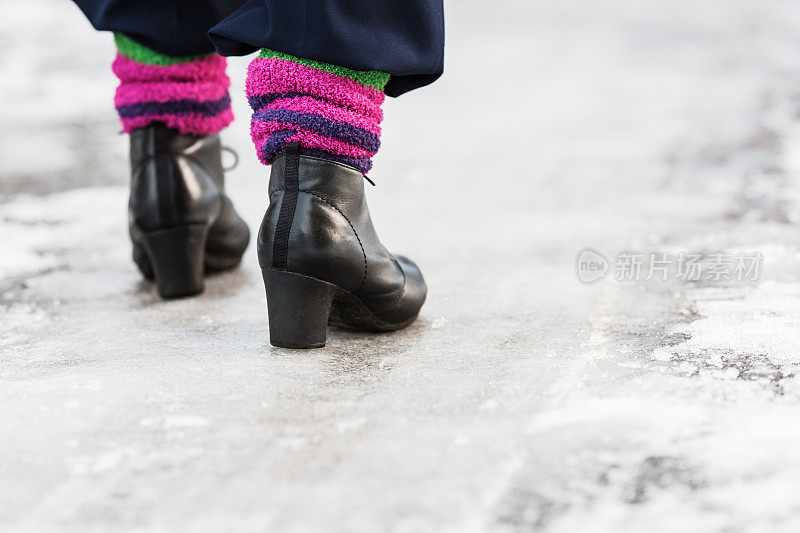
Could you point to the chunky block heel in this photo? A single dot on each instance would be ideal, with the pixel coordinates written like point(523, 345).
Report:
point(298, 308)
point(176, 257)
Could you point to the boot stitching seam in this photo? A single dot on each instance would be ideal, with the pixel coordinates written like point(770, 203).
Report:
point(360, 244)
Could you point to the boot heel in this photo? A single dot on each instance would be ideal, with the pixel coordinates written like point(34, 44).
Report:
point(176, 255)
point(298, 309)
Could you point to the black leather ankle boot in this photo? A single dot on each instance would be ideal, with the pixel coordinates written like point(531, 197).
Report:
point(181, 222)
point(322, 261)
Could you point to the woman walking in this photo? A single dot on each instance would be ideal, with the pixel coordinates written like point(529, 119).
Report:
point(315, 89)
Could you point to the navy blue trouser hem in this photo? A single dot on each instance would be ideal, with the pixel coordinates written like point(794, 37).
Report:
point(404, 38)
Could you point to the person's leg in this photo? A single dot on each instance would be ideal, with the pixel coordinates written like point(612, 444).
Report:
point(173, 100)
point(331, 112)
point(168, 69)
point(403, 39)
point(170, 27)
point(316, 89)
point(325, 65)
point(188, 94)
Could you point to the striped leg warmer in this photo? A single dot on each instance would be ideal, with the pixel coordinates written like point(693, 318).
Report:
point(189, 94)
point(332, 112)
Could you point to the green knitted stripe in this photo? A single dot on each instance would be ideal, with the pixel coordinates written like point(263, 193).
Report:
point(371, 78)
point(141, 54)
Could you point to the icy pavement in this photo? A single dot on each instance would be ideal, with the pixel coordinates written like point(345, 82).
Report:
point(522, 400)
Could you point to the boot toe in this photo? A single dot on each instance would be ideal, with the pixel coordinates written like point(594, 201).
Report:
point(226, 244)
point(413, 296)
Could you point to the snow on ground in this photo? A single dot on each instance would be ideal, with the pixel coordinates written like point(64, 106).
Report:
point(522, 400)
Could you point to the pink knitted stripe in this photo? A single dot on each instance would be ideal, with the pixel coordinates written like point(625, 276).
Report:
point(259, 132)
point(186, 124)
point(277, 75)
point(166, 91)
point(308, 104)
point(191, 97)
point(210, 68)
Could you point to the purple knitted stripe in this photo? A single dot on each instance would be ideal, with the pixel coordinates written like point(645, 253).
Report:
point(207, 108)
point(261, 101)
point(274, 144)
point(332, 128)
point(191, 97)
point(277, 140)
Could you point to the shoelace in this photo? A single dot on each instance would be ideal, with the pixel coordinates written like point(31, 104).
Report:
point(235, 155)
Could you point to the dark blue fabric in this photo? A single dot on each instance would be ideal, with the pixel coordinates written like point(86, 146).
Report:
point(172, 27)
point(402, 37)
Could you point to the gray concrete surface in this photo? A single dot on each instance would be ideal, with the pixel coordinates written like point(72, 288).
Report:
point(522, 399)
